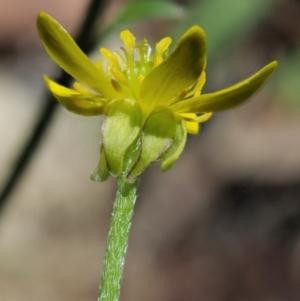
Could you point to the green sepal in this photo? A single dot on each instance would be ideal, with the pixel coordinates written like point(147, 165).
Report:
point(121, 127)
point(171, 155)
point(132, 155)
point(158, 135)
point(100, 174)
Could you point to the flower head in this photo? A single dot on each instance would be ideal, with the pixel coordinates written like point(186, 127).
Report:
point(151, 99)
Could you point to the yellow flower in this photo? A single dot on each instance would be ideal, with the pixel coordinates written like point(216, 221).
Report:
point(151, 100)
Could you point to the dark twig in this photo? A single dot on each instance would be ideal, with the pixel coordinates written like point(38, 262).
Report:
point(86, 40)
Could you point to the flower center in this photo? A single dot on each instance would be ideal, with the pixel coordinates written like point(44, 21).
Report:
point(128, 70)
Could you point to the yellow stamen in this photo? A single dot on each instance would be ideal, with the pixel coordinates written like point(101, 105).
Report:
point(99, 64)
point(128, 39)
point(116, 86)
point(161, 48)
point(111, 58)
point(119, 76)
point(144, 50)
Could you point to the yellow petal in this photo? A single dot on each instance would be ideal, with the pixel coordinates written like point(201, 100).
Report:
point(188, 116)
point(81, 104)
point(178, 72)
point(192, 127)
point(192, 121)
point(198, 87)
point(229, 97)
point(65, 52)
point(204, 117)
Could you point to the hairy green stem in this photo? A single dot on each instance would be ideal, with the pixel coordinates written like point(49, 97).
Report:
point(117, 242)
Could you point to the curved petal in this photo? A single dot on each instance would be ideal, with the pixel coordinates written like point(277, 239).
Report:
point(65, 52)
point(74, 101)
point(229, 97)
point(178, 72)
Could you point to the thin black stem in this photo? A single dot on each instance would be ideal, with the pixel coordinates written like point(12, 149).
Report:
point(86, 40)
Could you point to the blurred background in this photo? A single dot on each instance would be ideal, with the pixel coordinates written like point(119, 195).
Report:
point(223, 224)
